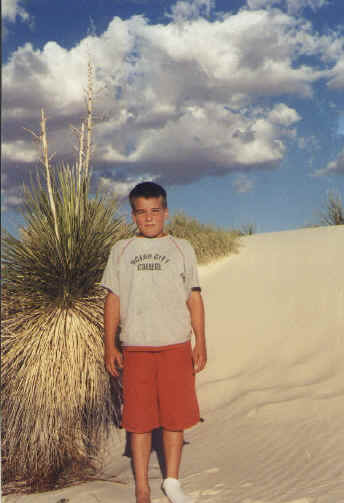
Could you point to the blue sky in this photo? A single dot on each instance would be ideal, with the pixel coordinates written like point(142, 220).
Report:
point(236, 107)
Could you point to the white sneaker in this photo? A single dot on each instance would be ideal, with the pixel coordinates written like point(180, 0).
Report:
point(174, 492)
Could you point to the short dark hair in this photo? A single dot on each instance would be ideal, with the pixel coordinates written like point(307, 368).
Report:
point(147, 190)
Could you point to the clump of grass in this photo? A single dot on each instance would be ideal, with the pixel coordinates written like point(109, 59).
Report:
point(333, 213)
point(247, 230)
point(57, 398)
point(208, 241)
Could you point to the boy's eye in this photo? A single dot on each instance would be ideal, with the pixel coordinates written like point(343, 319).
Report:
point(142, 212)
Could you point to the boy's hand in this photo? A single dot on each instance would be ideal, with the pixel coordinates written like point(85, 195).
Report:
point(196, 308)
point(113, 360)
point(199, 355)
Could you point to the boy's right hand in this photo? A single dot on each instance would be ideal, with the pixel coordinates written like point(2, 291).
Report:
point(113, 361)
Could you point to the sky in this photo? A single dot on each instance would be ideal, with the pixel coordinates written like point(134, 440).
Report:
point(235, 106)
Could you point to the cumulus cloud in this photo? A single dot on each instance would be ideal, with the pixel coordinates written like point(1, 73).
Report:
point(333, 167)
point(336, 80)
point(119, 188)
point(243, 184)
point(180, 102)
point(283, 115)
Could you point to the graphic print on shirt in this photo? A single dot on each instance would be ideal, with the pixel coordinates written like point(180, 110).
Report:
point(145, 262)
point(152, 262)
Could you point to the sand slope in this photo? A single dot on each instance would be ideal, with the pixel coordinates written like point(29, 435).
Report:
point(272, 395)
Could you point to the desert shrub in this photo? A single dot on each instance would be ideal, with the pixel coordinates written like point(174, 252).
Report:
point(333, 213)
point(208, 241)
point(247, 230)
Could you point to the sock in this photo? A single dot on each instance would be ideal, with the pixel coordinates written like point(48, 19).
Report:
point(174, 492)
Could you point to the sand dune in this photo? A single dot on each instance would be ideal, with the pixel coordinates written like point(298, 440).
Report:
point(277, 309)
point(272, 396)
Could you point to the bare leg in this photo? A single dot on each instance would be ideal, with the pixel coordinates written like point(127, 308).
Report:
point(141, 449)
point(173, 444)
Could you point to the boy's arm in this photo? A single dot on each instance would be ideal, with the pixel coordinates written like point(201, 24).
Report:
point(112, 356)
point(196, 308)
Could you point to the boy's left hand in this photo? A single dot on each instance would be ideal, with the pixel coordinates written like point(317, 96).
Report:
point(199, 355)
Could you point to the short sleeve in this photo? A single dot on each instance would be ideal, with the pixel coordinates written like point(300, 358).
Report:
point(192, 278)
point(110, 279)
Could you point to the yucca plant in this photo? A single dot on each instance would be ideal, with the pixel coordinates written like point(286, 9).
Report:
point(57, 398)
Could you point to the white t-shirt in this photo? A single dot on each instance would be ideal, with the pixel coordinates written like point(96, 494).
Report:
point(153, 278)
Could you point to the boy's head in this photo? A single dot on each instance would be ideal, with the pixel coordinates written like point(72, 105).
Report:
point(148, 190)
point(148, 201)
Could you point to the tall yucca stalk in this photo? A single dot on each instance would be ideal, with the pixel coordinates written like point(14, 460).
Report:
point(57, 398)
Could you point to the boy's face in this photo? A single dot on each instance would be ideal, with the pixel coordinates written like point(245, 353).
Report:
point(149, 216)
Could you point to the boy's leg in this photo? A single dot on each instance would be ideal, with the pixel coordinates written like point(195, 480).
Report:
point(140, 413)
point(141, 449)
point(173, 444)
point(178, 410)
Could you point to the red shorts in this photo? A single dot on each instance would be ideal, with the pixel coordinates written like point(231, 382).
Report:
point(159, 389)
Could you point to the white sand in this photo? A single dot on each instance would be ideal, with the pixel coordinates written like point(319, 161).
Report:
point(272, 394)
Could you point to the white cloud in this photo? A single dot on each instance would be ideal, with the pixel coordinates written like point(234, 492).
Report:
point(296, 6)
point(243, 184)
point(11, 9)
point(336, 80)
point(211, 140)
point(293, 7)
point(283, 115)
point(310, 143)
point(181, 103)
point(118, 188)
point(20, 151)
point(190, 10)
point(261, 4)
point(10, 196)
point(336, 166)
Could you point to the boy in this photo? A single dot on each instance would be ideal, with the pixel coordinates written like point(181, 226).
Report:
point(154, 294)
